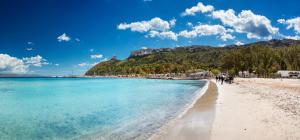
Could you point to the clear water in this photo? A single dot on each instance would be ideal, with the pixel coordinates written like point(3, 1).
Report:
point(82, 108)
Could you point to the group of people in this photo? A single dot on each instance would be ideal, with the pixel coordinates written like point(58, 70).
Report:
point(221, 78)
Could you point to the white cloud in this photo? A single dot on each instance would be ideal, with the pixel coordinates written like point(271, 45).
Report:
point(255, 26)
point(163, 35)
point(144, 48)
point(221, 45)
point(10, 64)
point(96, 56)
point(207, 30)
point(282, 21)
point(29, 49)
point(155, 27)
point(200, 7)
point(239, 43)
point(189, 24)
point(56, 64)
point(172, 22)
point(37, 61)
point(147, 0)
point(91, 50)
point(83, 64)
point(296, 37)
point(188, 34)
point(226, 37)
point(63, 37)
point(77, 39)
point(104, 59)
point(155, 24)
point(30, 43)
point(293, 23)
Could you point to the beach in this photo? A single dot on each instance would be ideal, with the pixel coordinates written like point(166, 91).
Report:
point(258, 109)
point(196, 122)
point(248, 109)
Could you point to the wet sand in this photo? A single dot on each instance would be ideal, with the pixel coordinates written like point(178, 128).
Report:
point(196, 123)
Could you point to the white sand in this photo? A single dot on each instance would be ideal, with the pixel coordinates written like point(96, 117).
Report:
point(258, 109)
point(249, 109)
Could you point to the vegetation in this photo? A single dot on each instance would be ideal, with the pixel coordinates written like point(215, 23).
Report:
point(262, 60)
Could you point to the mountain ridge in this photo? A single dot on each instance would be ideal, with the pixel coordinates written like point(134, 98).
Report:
point(263, 56)
point(275, 43)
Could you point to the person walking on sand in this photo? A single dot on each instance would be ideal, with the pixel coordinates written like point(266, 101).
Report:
point(222, 78)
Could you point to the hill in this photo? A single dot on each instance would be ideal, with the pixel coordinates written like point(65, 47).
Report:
point(263, 58)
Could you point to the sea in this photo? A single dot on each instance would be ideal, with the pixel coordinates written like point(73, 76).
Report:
point(91, 108)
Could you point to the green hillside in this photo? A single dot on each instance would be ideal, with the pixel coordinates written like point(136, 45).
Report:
point(262, 58)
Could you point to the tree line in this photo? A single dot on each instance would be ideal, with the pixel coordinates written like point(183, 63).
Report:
point(264, 61)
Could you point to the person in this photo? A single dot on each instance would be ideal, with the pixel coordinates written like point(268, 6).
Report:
point(222, 79)
point(230, 78)
point(217, 78)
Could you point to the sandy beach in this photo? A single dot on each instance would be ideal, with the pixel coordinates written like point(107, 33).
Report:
point(258, 109)
point(196, 122)
point(248, 109)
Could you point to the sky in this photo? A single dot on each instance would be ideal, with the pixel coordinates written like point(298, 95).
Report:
point(61, 37)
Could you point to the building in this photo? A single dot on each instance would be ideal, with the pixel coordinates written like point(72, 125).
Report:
point(199, 75)
point(141, 52)
point(289, 74)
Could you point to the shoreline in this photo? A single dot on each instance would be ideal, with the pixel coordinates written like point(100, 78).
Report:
point(250, 108)
point(186, 125)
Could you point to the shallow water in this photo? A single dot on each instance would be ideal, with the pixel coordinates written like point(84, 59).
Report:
point(83, 108)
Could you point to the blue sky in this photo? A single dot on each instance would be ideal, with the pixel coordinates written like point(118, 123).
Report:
point(54, 37)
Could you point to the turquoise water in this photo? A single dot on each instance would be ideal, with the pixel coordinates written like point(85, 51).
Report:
point(82, 108)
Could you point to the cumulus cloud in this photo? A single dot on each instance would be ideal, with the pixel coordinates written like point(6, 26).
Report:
point(296, 37)
point(200, 7)
point(156, 27)
point(37, 61)
point(255, 26)
point(9, 64)
point(63, 38)
point(163, 35)
point(104, 59)
point(77, 39)
point(29, 49)
point(155, 24)
point(96, 56)
point(83, 64)
point(144, 48)
point(172, 22)
point(293, 23)
point(207, 30)
point(189, 24)
point(239, 43)
point(221, 45)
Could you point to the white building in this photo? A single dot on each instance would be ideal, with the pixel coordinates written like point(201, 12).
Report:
point(288, 74)
point(244, 74)
point(199, 75)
